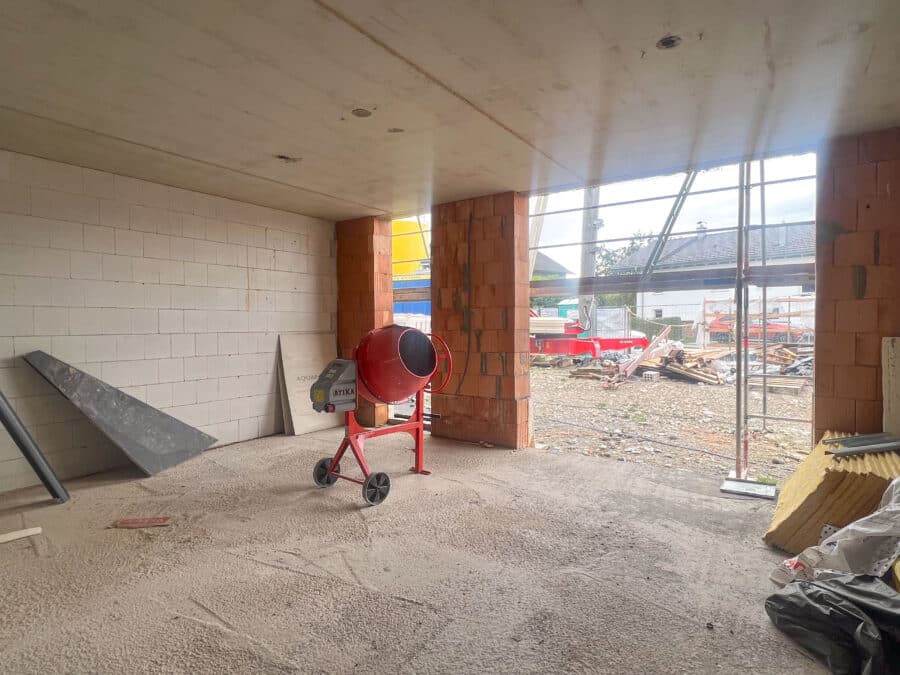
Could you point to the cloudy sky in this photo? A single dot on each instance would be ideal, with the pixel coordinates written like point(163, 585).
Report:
point(785, 203)
point(788, 202)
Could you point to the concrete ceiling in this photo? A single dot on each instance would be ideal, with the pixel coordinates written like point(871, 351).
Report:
point(509, 94)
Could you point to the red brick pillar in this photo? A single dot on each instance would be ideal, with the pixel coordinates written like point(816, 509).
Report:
point(480, 299)
point(857, 277)
point(365, 292)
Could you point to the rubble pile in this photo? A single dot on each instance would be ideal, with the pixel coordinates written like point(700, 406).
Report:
point(794, 364)
point(788, 368)
point(673, 360)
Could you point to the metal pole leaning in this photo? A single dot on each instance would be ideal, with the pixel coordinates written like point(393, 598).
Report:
point(31, 451)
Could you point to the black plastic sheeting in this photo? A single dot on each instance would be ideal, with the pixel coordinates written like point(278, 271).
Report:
point(851, 622)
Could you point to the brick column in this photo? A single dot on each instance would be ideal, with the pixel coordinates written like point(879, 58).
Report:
point(365, 292)
point(857, 277)
point(480, 299)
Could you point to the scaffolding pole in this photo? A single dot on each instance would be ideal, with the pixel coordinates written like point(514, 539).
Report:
point(740, 470)
point(765, 293)
point(739, 483)
point(745, 428)
point(591, 197)
point(662, 197)
point(674, 212)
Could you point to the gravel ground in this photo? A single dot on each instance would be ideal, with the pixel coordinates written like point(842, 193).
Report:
point(669, 423)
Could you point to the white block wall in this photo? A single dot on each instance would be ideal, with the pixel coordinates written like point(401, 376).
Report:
point(174, 296)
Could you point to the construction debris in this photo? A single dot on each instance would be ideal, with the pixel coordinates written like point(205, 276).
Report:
point(869, 546)
point(674, 360)
point(827, 490)
point(788, 369)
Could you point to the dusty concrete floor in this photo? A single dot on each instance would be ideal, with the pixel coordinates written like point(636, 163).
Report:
point(499, 562)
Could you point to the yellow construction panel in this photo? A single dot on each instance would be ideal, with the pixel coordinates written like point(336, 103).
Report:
point(826, 490)
point(409, 243)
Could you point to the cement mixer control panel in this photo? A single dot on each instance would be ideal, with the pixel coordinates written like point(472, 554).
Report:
point(335, 390)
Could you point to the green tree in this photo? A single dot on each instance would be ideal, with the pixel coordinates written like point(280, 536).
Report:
point(607, 259)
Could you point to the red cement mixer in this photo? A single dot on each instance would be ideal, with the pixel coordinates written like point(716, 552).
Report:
point(389, 365)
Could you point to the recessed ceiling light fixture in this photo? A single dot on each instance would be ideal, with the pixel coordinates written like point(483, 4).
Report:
point(361, 112)
point(668, 42)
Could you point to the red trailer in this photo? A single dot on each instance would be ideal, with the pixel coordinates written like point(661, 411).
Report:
point(576, 346)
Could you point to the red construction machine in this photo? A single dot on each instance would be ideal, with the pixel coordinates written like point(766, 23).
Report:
point(389, 365)
point(721, 329)
point(562, 338)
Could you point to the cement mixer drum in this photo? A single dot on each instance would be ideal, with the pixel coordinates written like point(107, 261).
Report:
point(394, 363)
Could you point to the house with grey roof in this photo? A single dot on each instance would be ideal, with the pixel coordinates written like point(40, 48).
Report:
point(702, 250)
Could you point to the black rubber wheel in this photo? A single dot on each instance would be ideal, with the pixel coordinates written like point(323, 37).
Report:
point(321, 475)
point(376, 488)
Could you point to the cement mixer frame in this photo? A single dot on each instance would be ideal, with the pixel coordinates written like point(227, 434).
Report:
point(376, 486)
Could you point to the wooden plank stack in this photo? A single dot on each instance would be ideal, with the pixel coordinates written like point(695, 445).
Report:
point(687, 365)
point(780, 384)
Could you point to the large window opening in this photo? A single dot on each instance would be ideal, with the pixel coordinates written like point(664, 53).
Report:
point(711, 274)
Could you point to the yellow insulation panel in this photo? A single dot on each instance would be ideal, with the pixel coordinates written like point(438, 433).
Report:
point(828, 490)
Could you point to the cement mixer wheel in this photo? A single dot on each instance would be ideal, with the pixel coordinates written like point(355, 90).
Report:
point(376, 488)
point(321, 475)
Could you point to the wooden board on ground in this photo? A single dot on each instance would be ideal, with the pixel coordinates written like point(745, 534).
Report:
point(303, 356)
point(692, 373)
point(19, 534)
